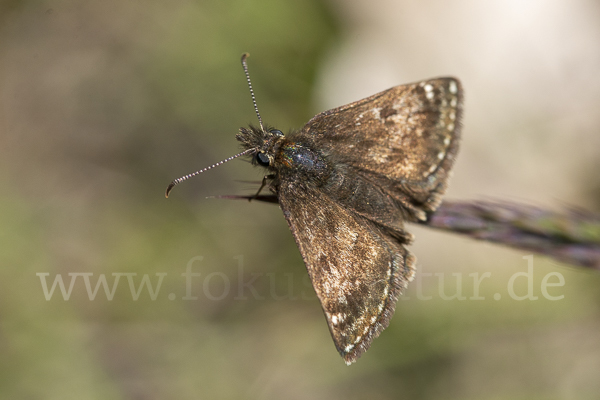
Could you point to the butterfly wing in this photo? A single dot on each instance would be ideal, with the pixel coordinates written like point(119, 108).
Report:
point(358, 270)
point(404, 139)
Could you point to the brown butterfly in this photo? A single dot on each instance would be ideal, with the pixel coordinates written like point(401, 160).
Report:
point(346, 182)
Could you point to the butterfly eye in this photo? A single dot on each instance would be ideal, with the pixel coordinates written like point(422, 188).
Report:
point(263, 159)
point(276, 132)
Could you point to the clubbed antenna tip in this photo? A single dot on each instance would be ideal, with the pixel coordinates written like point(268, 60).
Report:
point(169, 188)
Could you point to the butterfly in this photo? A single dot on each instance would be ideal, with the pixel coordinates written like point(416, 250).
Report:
point(346, 183)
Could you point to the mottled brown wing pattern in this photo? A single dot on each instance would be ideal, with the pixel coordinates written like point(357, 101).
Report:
point(346, 183)
point(357, 269)
point(405, 138)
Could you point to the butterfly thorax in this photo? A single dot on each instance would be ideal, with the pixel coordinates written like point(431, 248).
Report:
point(298, 158)
point(284, 157)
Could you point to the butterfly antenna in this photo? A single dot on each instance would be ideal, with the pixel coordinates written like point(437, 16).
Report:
point(188, 176)
point(245, 66)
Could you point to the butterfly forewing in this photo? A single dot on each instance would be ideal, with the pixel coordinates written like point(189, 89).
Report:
point(406, 138)
point(357, 269)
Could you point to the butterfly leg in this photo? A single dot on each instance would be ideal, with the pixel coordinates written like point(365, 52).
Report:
point(266, 178)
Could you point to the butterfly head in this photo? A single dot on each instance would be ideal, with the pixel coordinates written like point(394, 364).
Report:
point(264, 143)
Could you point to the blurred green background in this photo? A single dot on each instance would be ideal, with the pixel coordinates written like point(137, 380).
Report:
point(103, 103)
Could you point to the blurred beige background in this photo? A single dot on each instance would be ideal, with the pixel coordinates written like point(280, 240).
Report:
point(103, 103)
